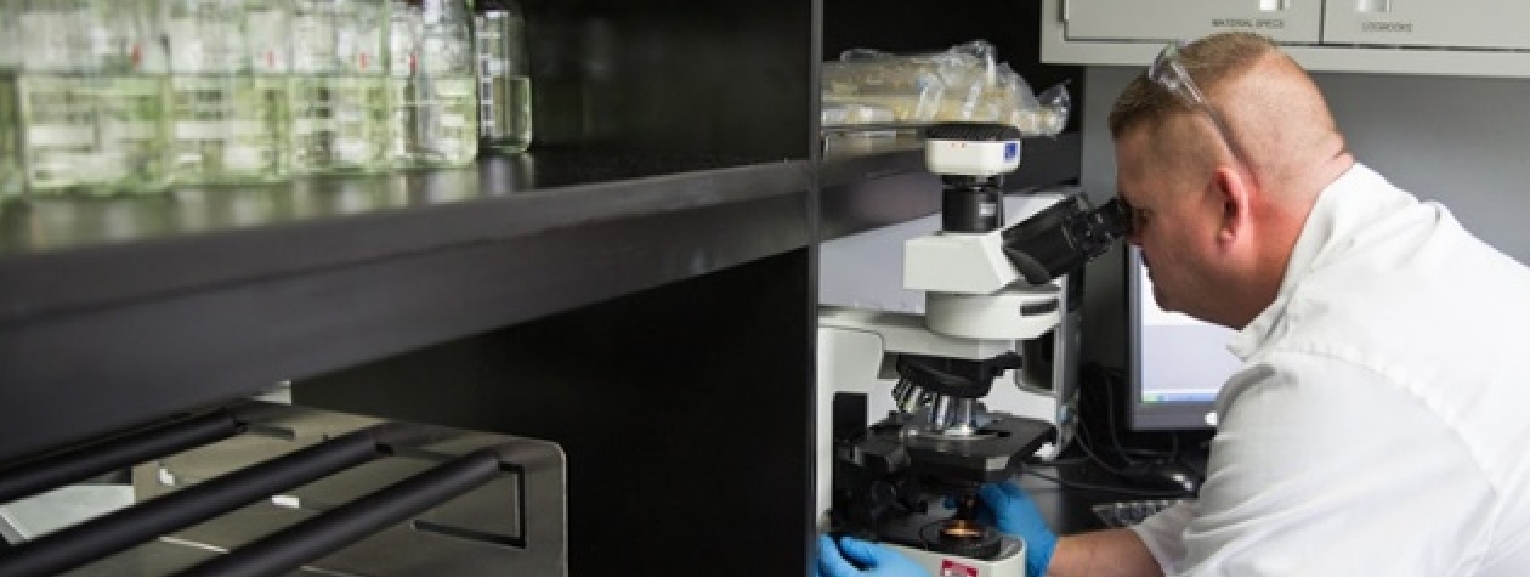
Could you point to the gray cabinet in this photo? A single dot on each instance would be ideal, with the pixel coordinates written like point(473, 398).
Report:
point(1490, 24)
point(1468, 38)
point(1165, 20)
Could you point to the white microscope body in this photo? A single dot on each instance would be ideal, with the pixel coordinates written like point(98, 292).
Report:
point(986, 286)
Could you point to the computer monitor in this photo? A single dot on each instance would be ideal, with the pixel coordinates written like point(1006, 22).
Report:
point(1177, 363)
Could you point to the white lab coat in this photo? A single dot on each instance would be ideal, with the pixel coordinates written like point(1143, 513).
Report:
point(1381, 423)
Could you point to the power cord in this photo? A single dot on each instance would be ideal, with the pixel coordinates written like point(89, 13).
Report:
point(1129, 462)
point(1109, 379)
point(1084, 442)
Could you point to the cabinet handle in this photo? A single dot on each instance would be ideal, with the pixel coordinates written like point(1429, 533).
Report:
point(1274, 5)
point(1363, 6)
point(1065, 6)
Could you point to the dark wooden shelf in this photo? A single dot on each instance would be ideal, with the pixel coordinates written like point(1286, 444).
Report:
point(116, 310)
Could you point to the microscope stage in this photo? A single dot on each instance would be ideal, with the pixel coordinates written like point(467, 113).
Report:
point(990, 456)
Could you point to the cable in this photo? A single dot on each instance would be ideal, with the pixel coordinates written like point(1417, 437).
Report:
point(1109, 378)
point(1128, 491)
point(1111, 381)
point(1152, 454)
point(1083, 443)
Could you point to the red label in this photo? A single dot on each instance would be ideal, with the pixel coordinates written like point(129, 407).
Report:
point(949, 568)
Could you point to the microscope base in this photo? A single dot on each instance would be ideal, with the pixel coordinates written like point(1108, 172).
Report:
point(1010, 562)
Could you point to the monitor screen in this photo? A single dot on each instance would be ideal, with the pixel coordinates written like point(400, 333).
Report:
point(1177, 363)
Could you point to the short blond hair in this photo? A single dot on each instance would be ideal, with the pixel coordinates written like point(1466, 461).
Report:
point(1210, 61)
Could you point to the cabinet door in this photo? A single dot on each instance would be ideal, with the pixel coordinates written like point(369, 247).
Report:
point(1287, 21)
point(1459, 23)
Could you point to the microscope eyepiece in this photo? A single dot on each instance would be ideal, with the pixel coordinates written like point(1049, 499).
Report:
point(1064, 237)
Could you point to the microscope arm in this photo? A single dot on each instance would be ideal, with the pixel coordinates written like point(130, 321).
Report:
point(1055, 241)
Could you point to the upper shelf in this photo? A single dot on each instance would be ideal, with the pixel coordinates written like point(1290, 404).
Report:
point(115, 310)
point(58, 256)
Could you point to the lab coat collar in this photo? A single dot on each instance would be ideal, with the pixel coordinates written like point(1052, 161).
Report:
point(1343, 207)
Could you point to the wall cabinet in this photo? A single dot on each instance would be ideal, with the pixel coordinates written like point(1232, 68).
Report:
point(1485, 24)
point(1469, 38)
point(1167, 20)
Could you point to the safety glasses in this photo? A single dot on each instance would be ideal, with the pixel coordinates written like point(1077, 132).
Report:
point(1169, 73)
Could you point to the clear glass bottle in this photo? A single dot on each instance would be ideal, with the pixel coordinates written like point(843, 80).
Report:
point(92, 94)
point(10, 122)
point(206, 50)
point(339, 101)
point(312, 50)
point(58, 123)
point(132, 115)
point(227, 90)
point(260, 139)
point(431, 82)
point(504, 81)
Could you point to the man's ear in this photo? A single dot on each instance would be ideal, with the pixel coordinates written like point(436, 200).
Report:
point(1233, 190)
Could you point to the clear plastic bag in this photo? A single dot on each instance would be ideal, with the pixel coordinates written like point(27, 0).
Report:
point(963, 83)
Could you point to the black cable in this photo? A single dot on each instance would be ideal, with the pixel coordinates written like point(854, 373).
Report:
point(1083, 443)
point(1109, 379)
point(1085, 440)
point(1128, 491)
point(1113, 379)
point(1110, 417)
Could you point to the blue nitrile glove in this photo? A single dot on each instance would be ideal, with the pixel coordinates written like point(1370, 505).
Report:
point(879, 561)
point(1013, 513)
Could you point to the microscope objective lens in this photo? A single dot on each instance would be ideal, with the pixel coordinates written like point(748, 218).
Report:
point(926, 398)
point(901, 392)
point(963, 417)
point(943, 413)
point(910, 399)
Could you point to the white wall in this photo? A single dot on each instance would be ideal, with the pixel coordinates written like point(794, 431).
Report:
point(1462, 141)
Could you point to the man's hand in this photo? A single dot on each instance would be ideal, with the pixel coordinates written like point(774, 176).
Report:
point(1013, 513)
point(877, 560)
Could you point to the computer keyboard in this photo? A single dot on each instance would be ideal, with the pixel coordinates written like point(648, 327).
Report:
point(1128, 513)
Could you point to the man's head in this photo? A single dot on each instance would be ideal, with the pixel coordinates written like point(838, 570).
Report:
point(1217, 217)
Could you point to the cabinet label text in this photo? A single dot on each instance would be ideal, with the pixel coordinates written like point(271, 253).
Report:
point(1387, 27)
point(1255, 23)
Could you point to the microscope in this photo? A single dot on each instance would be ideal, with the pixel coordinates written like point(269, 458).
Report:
point(910, 480)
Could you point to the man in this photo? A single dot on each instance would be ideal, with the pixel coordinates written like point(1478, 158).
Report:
point(1378, 425)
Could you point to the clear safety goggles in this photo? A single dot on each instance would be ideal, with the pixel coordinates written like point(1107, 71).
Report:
point(1169, 73)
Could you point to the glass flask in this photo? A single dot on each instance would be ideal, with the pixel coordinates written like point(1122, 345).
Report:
point(339, 102)
point(92, 96)
point(225, 127)
point(431, 84)
point(10, 123)
point(504, 81)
